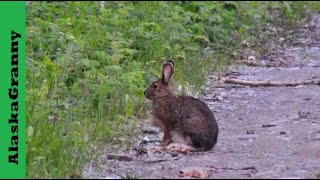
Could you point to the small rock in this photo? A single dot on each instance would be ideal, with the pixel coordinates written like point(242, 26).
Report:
point(250, 132)
point(219, 98)
point(280, 168)
point(223, 94)
point(150, 130)
point(283, 133)
point(252, 59)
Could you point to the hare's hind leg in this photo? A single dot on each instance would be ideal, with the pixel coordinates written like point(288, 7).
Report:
point(182, 148)
point(180, 142)
point(180, 137)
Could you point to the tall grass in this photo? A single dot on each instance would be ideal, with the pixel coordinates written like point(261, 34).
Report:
point(87, 68)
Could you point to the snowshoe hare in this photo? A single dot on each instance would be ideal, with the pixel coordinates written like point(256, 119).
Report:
point(183, 119)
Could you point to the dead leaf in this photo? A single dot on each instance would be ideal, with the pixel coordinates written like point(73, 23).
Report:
point(193, 174)
point(52, 119)
point(177, 148)
point(245, 43)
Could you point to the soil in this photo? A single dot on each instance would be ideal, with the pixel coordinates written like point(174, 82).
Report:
point(265, 132)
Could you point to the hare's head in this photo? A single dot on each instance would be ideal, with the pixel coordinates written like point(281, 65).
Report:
point(161, 87)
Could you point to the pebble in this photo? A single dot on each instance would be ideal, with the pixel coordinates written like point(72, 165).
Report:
point(219, 98)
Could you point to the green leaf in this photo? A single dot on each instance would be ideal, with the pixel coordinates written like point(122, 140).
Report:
point(94, 63)
point(113, 69)
point(84, 63)
point(193, 47)
point(126, 98)
point(69, 36)
point(51, 67)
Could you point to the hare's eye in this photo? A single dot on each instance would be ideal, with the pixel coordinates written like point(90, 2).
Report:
point(155, 86)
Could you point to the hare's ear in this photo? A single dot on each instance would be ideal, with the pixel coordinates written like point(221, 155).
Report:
point(167, 71)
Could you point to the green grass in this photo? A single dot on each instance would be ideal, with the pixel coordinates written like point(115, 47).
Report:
point(87, 67)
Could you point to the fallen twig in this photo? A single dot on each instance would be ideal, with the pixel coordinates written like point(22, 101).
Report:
point(269, 83)
point(160, 160)
point(269, 125)
point(119, 157)
point(249, 63)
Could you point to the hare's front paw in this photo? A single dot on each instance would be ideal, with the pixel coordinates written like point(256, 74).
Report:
point(166, 139)
point(164, 143)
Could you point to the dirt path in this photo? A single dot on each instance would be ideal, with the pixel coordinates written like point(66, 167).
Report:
point(266, 132)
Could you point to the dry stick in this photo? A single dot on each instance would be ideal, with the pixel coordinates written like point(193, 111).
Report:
point(119, 157)
point(269, 83)
point(249, 63)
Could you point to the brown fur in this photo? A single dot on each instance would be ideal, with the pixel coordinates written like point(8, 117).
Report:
point(183, 119)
